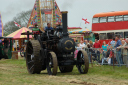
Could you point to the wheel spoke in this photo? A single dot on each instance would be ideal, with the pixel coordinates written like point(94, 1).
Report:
point(30, 48)
point(52, 65)
point(30, 62)
point(31, 67)
point(82, 62)
point(82, 67)
point(32, 55)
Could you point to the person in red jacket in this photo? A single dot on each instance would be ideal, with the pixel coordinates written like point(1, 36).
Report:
point(97, 47)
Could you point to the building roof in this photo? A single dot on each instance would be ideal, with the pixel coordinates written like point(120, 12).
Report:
point(114, 13)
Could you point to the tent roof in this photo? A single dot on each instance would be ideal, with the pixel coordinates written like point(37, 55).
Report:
point(5, 37)
point(79, 31)
point(17, 34)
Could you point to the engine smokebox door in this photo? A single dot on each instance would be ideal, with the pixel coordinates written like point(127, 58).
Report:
point(66, 45)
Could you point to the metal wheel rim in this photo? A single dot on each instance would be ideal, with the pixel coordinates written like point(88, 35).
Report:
point(81, 66)
point(29, 60)
point(51, 64)
point(84, 66)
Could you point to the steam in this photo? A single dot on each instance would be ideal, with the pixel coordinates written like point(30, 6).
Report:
point(67, 4)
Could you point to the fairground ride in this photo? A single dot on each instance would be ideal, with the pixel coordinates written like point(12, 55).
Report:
point(45, 11)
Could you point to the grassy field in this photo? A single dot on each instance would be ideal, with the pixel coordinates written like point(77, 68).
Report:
point(14, 72)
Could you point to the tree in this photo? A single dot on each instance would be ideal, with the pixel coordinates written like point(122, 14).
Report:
point(21, 18)
point(9, 27)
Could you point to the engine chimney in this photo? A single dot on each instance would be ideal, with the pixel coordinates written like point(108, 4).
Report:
point(64, 21)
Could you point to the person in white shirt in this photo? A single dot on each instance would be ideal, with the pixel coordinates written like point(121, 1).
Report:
point(78, 47)
point(82, 45)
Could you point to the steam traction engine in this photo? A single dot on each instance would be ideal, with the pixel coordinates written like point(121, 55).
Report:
point(53, 49)
point(6, 47)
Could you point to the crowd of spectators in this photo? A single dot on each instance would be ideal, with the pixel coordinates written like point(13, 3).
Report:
point(114, 51)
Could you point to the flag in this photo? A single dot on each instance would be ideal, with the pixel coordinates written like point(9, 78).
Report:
point(16, 24)
point(85, 21)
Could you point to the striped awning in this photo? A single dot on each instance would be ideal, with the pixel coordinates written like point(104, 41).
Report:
point(79, 31)
point(17, 34)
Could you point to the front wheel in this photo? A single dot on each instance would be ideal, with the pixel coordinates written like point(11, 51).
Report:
point(52, 63)
point(82, 62)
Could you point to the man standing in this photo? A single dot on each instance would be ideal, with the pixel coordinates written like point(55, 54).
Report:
point(118, 51)
point(97, 47)
point(125, 52)
point(85, 42)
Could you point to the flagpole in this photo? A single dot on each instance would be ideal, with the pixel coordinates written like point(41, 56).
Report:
point(80, 23)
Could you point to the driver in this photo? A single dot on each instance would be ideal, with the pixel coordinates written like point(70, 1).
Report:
point(48, 30)
point(48, 27)
point(36, 31)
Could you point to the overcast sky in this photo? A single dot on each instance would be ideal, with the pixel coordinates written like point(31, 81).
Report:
point(76, 9)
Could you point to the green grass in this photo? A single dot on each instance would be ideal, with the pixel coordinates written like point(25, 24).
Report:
point(14, 72)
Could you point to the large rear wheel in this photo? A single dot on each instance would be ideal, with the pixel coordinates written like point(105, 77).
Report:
point(52, 63)
point(33, 62)
point(82, 62)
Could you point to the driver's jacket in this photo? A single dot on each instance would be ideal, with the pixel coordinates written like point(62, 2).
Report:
point(48, 28)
